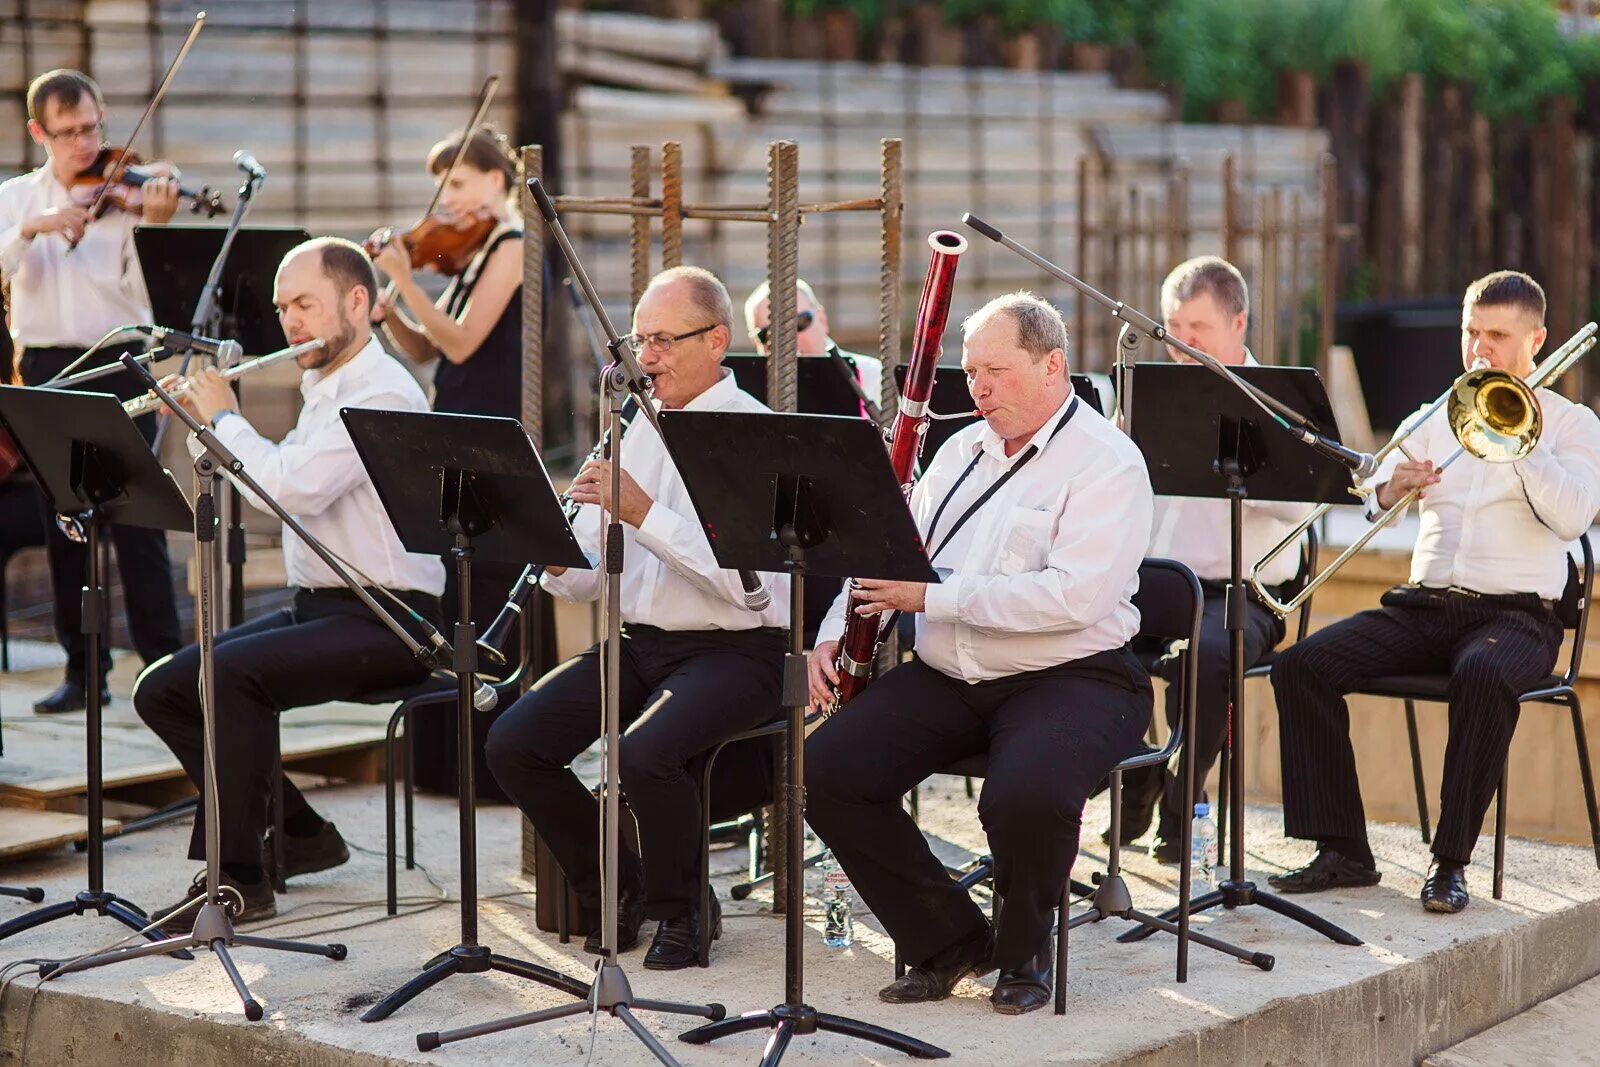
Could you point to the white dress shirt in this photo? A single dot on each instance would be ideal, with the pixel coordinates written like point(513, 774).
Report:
point(61, 298)
point(1197, 532)
point(670, 579)
point(1504, 527)
point(1045, 571)
point(316, 475)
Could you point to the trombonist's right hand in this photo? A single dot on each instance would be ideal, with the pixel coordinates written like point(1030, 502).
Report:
point(1408, 475)
point(822, 675)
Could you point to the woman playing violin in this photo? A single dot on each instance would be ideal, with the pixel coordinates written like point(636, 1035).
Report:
point(63, 298)
point(475, 328)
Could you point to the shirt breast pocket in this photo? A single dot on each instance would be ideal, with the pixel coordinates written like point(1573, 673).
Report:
point(1025, 540)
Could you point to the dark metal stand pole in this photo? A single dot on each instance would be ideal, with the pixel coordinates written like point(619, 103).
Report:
point(95, 899)
point(1238, 891)
point(794, 1017)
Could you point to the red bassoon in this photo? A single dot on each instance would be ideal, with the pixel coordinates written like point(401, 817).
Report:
point(858, 649)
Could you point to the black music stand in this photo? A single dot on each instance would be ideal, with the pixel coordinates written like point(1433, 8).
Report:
point(179, 265)
point(821, 386)
point(176, 260)
point(950, 395)
point(95, 466)
point(792, 494)
point(1203, 437)
point(467, 486)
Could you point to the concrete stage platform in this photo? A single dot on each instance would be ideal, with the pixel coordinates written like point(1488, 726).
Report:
point(1423, 983)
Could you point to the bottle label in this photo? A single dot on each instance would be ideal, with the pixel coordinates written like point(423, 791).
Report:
point(835, 878)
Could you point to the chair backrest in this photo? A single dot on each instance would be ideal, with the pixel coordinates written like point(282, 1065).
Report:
point(1573, 607)
point(1170, 601)
point(1171, 604)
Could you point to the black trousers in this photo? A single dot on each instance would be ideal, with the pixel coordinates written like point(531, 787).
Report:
point(327, 646)
point(142, 559)
point(1263, 630)
point(1052, 737)
point(1493, 648)
point(682, 692)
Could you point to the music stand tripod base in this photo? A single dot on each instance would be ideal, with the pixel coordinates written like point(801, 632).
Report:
point(1252, 458)
point(484, 505)
point(101, 471)
point(824, 495)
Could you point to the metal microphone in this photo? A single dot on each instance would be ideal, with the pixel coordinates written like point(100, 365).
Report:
point(247, 163)
point(225, 351)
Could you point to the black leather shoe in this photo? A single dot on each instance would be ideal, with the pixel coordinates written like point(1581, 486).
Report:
point(1020, 990)
point(1141, 791)
point(935, 979)
point(257, 903)
point(322, 851)
point(1445, 889)
point(630, 916)
point(1329, 869)
point(677, 941)
point(71, 696)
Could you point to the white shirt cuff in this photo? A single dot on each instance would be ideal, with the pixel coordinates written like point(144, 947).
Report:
point(942, 601)
point(661, 528)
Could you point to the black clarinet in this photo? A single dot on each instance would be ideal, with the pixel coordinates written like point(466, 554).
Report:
point(492, 644)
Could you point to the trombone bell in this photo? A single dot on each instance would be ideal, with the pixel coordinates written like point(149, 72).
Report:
point(1494, 415)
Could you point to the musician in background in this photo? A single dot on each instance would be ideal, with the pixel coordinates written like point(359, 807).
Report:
point(1021, 652)
point(62, 301)
point(474, 330)
point(1490, 560)
point(811, 336)
point(697, 665)
point(327, 645)
point(1206, 305)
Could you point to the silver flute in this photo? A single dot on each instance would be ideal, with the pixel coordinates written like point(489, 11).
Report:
point(144, 405)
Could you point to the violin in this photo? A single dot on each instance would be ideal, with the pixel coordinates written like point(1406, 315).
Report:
point(444, 241)
point(124, 187)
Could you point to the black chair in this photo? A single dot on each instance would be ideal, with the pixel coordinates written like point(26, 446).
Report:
point(1558, 689)
point(1171, 604)
point(431, 693)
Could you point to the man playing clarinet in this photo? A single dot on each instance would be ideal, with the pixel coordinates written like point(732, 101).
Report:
point(697, 666)
point(1037, 518)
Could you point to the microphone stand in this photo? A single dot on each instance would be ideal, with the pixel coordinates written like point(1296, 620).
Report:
point(1237, 891)
point(611, 991)
point(213, 925)
point(207, 320)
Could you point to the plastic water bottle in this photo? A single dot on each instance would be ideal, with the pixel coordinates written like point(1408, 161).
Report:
point(1203, 851)
point(838, 929)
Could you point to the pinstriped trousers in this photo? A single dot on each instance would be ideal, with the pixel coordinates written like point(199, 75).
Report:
point(1492, 648)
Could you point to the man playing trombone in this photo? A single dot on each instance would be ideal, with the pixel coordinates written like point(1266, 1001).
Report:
point(1489, 562)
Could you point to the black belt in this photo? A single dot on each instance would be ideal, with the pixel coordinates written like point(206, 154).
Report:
point(1457, 592)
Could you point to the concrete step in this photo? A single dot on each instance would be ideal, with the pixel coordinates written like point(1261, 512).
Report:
point(1559, 1032)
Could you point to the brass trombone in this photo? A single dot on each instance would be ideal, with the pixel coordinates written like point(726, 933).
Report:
point(1493, 415)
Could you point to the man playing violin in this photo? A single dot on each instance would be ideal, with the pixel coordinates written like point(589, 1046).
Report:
point(1038, 518)
point(697, 666)
point(73, 278)
point(1490, 560)
point(327, 645)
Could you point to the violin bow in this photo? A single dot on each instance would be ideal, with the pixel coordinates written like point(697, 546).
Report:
point(485, 97)
point(161, 90)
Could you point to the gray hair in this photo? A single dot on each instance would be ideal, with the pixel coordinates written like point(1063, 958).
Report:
point(764, 292)
point(706, 292)
point(1206, 274)
point(1040, 330)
